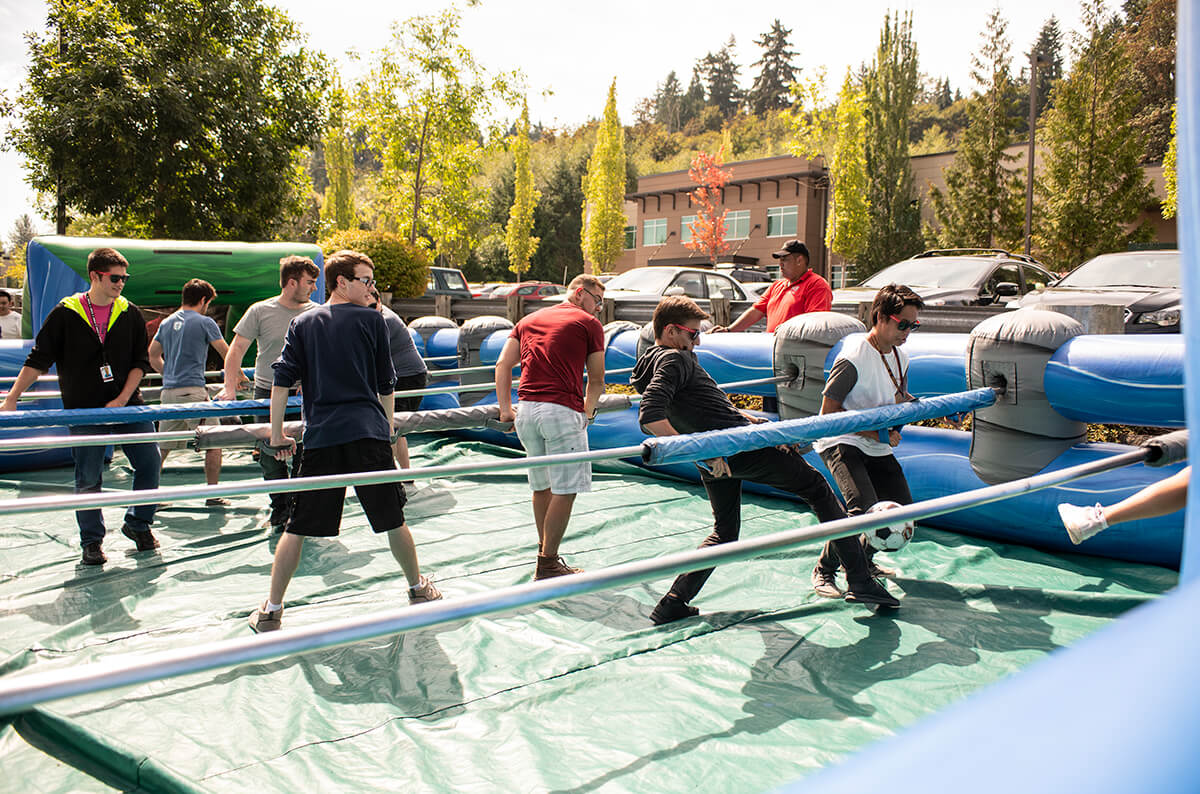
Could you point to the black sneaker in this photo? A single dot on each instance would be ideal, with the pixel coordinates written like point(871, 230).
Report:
point(872, 592)
point(144, 538)
point(92, 555)
point(671, 609)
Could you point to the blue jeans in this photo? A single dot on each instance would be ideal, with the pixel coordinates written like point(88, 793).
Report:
point(89, 468)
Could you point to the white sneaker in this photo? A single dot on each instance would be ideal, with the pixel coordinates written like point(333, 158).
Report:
point(1082, 522)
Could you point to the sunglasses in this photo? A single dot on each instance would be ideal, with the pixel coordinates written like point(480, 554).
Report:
point(599, 299)
point(904, 325)
point(367, 280)
point(114, 278)
point(692, 333)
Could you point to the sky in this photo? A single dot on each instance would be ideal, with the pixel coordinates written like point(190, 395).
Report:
point(570, 51)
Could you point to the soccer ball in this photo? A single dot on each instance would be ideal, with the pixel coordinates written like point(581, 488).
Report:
point(889, 538)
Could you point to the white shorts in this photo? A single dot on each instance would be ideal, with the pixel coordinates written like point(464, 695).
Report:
point(183, 394)
point(553, 429)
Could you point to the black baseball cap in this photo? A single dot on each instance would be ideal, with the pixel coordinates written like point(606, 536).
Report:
point(792, 247)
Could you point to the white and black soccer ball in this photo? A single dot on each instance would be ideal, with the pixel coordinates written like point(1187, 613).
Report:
point(892, 537)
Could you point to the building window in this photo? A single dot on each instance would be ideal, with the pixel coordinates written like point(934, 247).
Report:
point(654, 232)
point(781, 221)
point(685, 228)
point(838, 276)
point(737, 225)
point(630, 238)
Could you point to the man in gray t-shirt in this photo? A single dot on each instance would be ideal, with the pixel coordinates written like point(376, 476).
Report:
point(266, 323)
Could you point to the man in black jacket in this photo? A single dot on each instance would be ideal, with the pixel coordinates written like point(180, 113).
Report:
point(97, 339)
point(678, 396)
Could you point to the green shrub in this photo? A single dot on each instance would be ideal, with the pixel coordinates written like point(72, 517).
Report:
point(401, 267)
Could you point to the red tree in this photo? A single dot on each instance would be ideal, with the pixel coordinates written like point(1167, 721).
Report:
point(708, 230)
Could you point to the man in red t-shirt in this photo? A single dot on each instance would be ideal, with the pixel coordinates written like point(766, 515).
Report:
point(553, 345)
point(799, 291)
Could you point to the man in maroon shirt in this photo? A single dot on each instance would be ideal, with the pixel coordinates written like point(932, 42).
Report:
point(799, 291)
point(553, 345)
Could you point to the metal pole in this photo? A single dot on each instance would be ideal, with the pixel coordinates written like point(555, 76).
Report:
point(21, 692)
point(1034, 60)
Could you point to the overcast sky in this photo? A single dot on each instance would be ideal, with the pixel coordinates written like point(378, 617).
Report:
point(570, 52)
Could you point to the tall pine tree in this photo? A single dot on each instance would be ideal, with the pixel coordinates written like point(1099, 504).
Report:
point(604, 191)
point(891, 86)
point(720, 74)
point(983, 205)
point(1092, 186)
point(1049, 46)
point(776, 73)
point(668, 103)
point(517, 238)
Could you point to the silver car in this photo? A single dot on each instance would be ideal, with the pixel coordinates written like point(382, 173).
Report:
point(956, 277)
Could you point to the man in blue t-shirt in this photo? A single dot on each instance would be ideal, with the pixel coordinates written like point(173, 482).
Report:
point(340, 352)
point(179, 351)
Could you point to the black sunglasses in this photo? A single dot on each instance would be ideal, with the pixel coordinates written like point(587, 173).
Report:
point(114, 278)
point(904, 325)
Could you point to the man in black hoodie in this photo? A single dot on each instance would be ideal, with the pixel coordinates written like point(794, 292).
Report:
point(678, 396)
point(97, 339)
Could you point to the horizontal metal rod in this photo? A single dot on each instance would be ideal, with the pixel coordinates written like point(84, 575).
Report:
point(21, 692)
point(212, 373)
point(741, 384)
point(99, 440)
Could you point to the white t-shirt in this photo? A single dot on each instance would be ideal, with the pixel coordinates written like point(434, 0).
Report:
point(10, 326)
point(861, 366)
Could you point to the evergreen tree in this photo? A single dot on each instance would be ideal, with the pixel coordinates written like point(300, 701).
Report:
point(1149, 41)
point(668, 103)
point(847, 234)
point(983, 203)
point(771, 87)
point(558, 224)
point(1092, 187)
point(1049, 46)
point(517, 238)
point(604, 191)
point(891, 86)
point(720, 74)
point(337, 213)
point(693, 100)
point(943, 98)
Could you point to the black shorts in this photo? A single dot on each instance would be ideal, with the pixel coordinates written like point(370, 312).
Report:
point(318, 514)
point(406, 382)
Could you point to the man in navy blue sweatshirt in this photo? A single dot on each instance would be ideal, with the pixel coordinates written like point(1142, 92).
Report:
point(678, 396)
point(340, 352)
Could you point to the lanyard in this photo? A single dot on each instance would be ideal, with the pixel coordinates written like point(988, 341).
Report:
point(901, 392)
point(91, 316)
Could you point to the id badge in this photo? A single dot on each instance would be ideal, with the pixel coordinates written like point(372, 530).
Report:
point(106, 373)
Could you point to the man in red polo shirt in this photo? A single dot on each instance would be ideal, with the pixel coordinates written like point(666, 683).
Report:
point(553, 346)
point(799, 291)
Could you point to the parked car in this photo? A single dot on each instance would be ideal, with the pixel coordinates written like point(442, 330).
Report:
point(1146, 283)
point(755, 289)
point(651, 283)
point(531, 290)
point(749, 275)
point(485, 290)
point(956, 277)
point(447, 281)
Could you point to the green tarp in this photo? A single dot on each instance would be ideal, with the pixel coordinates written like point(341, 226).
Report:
point(582, 695)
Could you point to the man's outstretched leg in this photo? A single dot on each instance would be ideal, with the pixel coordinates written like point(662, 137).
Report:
point(269, 617)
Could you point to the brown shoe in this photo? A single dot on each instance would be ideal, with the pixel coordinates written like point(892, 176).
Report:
point(425, 590)
point(550, 567)
point(92, 555)
point(824, 583)
point(144, 538)
point(263, 620)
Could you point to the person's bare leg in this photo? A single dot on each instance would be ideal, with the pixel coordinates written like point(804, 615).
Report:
point(558, 514)
point(164, 453)
point(400, 452)
point(1161, 498)
point(400, 541)
point(541, 504)
point(287, 560)
point(212, 465)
